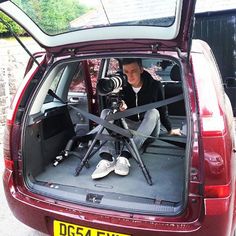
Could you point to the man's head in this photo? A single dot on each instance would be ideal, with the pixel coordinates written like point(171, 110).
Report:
point(133, 69)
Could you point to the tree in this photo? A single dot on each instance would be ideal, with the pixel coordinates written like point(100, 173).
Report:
point(14, 26)
point(54, 19)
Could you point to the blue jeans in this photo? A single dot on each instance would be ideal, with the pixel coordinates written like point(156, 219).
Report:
point(150, 125)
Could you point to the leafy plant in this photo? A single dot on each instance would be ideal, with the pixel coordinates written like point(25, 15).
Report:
point(52, 16)
point(15, 27)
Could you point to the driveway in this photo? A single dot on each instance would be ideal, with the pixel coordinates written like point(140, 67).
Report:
point(9, 225)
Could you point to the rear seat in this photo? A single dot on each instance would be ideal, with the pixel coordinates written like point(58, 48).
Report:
point(172, 89)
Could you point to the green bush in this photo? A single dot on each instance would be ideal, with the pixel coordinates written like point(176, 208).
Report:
point(54, 19)
point(15, 27)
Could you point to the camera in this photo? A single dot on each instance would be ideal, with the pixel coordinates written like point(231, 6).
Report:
point(111, 84)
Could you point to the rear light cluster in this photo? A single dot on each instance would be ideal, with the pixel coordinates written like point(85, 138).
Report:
point(217, 191)
point(216, 151)
point(6, 147)
point(217, 158)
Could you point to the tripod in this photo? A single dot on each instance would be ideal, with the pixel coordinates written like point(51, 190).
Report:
point(128, 142)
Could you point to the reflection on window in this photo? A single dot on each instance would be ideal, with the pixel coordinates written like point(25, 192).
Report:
point(56, 80)
point(78, 83)
point(113, 66)
point(94, 65)
point(54, 86)
point(55, 17)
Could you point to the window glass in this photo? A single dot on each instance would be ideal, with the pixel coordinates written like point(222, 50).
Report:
point(78, 82)
point(113, 66)
point(55, 17)
point(54, 85)
point(94, 66)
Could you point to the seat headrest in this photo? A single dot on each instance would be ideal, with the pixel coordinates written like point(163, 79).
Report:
point(175, 73)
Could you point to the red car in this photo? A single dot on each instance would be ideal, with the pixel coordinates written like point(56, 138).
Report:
point(187, 183)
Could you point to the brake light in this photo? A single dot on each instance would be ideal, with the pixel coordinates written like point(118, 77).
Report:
point(6, 147)
point(8, 164)
point(217, 191)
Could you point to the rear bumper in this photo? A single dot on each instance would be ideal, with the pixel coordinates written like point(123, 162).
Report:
point(39, 213)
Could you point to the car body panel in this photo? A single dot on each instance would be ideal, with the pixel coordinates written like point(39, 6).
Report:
point(209, 207)
point(198, 219)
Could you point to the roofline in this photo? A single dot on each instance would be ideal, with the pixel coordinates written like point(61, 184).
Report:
point(212, 13)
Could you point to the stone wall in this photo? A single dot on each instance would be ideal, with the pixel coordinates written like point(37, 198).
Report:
point(12, 66)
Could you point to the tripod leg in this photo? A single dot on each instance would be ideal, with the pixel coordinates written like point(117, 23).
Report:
point(135, 153)
point(87, 155)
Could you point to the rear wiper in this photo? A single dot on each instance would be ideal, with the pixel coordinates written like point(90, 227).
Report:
point(19, 41)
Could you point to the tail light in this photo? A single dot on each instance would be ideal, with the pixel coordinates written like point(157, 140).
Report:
point(6, 147)
point(217, 191)
point(217, 199)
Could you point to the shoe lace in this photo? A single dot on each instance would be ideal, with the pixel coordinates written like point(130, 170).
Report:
point(103, 162)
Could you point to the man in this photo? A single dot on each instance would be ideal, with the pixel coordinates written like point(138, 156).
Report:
point(141, 89)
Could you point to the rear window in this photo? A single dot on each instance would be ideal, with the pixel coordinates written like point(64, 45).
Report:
point(55, 17)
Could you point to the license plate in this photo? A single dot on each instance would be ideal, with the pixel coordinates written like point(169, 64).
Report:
point(65, 229)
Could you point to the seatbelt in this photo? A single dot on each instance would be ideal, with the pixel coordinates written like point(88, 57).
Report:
point(96, 119)
point(118, 115)
point(143, 108)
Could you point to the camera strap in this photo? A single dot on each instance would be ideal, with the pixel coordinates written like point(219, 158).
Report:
point(118, 115)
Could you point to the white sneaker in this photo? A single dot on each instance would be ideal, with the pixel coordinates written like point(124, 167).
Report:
point(103, 168)
point(122, 166)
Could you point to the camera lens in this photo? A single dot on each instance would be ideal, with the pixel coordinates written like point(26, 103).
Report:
point(105, 86)
point(117, 82)
point(110, 84)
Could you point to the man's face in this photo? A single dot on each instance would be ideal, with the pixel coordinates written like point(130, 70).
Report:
point(133, 72)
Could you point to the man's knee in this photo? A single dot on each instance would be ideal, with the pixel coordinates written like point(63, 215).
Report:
point(152, 114)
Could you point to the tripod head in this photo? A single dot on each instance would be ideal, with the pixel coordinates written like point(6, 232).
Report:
point(115, 102)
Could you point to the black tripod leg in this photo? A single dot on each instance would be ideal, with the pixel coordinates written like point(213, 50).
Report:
point(135, 153)
point(87, 155)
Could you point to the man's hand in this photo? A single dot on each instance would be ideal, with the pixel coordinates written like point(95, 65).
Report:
point(175, 132)
point(123, 106)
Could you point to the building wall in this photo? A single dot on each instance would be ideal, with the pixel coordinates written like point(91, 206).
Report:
point(13, 62)
point(218, 29)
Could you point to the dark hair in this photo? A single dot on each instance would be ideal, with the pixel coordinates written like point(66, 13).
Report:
point(126, 61)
